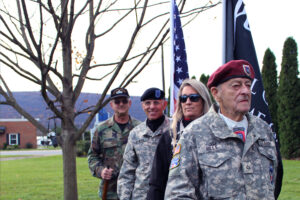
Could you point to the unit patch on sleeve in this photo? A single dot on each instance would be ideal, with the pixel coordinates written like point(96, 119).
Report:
point(175, 162)
point(177, 149)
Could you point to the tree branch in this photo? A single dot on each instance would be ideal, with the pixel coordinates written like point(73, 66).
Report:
point(11, 101)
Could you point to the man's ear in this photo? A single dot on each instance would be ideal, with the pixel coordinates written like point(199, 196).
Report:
point(214, 92)
point(110, 103)
point(142, 105)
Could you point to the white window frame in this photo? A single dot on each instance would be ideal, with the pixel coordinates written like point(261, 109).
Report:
point(10, 138)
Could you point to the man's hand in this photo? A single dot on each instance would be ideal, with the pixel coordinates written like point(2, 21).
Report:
point(106, 173)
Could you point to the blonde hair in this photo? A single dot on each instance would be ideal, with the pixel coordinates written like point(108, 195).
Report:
point(178, 114)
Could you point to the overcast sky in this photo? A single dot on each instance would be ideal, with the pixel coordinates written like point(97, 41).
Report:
point(271, 22)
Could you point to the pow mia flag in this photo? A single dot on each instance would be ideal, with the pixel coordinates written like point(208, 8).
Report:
point(238, 44)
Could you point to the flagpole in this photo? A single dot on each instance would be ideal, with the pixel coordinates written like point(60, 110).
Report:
point(224, 32)
point(228, 31)
point(172, 60)
point(163, 67)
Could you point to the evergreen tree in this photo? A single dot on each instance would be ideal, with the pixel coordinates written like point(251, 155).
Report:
point(269, 78)
point(288, 101)
point(204, 78)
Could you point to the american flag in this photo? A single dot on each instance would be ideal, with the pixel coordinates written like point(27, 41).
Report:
point(179, 67)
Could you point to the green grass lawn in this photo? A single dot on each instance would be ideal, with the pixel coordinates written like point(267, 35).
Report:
point(291, 180)
point(42, 179)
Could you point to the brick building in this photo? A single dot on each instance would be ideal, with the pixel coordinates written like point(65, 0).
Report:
point(17, 132)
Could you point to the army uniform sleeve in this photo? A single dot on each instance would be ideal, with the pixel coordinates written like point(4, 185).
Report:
point(278, 167)
point(183, 180)
point(95, 156)
point(126, 177)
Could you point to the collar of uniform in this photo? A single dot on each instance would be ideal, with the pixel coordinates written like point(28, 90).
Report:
point(255, 132)
point(219, 126)
point(164, 127)
point(221, 130)
point(110, 121)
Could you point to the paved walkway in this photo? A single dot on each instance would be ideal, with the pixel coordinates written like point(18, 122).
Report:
point(28, 154)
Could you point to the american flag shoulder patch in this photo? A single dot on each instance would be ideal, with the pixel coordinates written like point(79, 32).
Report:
point(175, 162)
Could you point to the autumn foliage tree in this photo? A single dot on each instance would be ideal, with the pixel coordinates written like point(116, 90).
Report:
point(61, 45)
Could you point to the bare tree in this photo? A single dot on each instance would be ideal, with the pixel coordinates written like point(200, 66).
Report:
point(40, 41)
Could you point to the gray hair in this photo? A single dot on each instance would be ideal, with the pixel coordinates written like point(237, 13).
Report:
point(201, 90)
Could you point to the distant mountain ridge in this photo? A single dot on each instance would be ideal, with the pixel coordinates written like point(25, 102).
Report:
point(34, 104)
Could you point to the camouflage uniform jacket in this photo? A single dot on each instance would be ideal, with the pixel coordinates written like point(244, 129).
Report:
point(133, 181)
point(107, 148)
point(212, 162)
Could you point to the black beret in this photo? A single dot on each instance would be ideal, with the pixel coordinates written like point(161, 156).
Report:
point(119, 92)
point(153, 93)
point(231, 69)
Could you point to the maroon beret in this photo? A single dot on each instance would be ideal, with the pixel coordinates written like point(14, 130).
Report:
point(231, 69)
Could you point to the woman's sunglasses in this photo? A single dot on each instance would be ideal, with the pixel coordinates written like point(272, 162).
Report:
point(193, 98)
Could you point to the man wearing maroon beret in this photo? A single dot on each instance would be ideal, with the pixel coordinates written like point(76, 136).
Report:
point(228, 153)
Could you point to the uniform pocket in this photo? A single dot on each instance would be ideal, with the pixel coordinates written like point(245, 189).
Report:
point(268, 163)
point(110, 148)
point(110, 143)
point(214, 159)
point(219, 175)
point(268, 152)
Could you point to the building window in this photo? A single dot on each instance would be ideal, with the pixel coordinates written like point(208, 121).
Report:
point(2, 129)
point(13, 139)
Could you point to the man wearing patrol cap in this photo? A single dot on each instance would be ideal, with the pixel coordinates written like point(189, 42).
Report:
point(133, 181)
point(105, 155)
point(228, 153)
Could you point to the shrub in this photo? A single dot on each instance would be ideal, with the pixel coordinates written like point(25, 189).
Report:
point(28, 145)
point(12, 147)
point(4, 145)
point(82, 148)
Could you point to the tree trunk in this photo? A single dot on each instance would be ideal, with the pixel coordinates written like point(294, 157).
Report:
point(69, 165)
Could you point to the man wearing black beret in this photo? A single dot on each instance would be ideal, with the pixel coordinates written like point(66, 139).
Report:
point(133, 181)
point(228, 153)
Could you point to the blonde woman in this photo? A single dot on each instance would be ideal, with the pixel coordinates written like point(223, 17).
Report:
point(193, 101)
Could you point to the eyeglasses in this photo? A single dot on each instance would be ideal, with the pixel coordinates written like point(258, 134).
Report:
point(193, 98)
point(118, 101)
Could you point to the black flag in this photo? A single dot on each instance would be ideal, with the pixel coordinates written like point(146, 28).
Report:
point(238, 44)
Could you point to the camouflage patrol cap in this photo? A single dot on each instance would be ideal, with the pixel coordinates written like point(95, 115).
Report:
point(119, 92)
point(231, 69)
